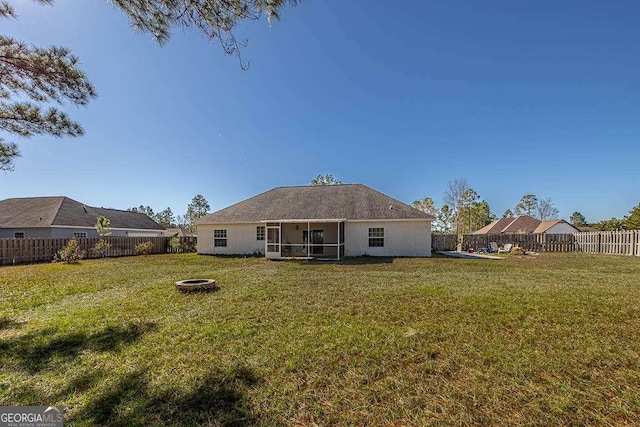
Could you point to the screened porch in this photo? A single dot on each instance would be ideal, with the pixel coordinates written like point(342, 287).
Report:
point(306, 239)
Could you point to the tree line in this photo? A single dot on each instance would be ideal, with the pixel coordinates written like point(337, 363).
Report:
point(464, 211)
point(198, 208)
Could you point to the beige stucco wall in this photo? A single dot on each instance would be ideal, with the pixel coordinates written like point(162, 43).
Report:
point(241, 239)
point(401, 238)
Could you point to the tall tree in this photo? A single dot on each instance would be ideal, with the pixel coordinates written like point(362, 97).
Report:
point(632, 221)
point(198, 208)
point(444, 219)
point(547, 209)
point(452, 197)
point(482, 215)
point(216, 19)
point(426, 205)
point(327, 179)
point(507, 214)
point(34, 82)
point(466, 211)
point(528, 205)
point(578, 220)
point(165, 218)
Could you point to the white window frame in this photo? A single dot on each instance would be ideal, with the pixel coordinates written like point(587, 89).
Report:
point(376, 235)
point(15, 234)
point(79, 234)
point(220, 238)
point(260, 233)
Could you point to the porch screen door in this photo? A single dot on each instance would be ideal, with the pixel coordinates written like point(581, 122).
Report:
point(273, 241)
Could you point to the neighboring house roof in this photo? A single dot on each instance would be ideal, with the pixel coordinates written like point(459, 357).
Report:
point(178, 232)
point(30, 212)
point(520, 224)
point(495, 227)
point(346, 201)
point(587, 229)
point(545, 225)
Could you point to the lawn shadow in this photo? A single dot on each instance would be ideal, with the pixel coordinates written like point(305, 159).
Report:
point(39, 350)
point(6, 323)
point(220, 398)
point(365, 260)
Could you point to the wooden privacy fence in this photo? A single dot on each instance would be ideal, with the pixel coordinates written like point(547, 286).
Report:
point(530, 242)
point(22, 251)
point(609, 242)
point(600, 242)
point(444, 242)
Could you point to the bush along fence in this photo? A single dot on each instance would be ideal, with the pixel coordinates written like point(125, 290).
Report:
point(24, 251)
point(625, 242)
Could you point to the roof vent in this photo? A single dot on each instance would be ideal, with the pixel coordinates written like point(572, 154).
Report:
point(85, 208)
point(390, 207)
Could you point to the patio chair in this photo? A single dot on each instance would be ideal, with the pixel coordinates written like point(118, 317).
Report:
point(493, 247)
point(505, 249)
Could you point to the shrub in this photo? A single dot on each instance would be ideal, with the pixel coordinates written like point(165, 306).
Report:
point(101, 247)
point(517, 250)
point(174, 243)
point(144, 248)
point(70, 254)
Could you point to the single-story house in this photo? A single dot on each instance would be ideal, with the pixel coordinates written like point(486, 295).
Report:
point(326, 222)
point(524, 224)
point(62, 217)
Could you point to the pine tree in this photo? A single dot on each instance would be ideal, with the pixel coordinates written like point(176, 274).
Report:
point(527, 206)
point(426, 205)
point(577, 219)
point(34, 82)
point(216, 19)
point(198, 208)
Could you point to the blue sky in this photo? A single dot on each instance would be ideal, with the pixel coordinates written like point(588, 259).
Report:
point(517, 97)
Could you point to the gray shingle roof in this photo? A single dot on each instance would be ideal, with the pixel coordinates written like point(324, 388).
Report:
point(47, 211)
point(347, 201)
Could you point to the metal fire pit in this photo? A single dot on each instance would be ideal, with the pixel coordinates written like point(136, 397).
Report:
point(190, 285)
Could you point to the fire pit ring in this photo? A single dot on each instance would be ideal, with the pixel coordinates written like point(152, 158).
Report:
point(196, 285)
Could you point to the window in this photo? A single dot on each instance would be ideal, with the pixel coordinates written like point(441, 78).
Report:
point(376, 237)
point(260, 232)
point(80, 235)
point(18, 235)
point(220, 238)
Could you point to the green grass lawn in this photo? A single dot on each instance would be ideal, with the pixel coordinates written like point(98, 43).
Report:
point(546, 340)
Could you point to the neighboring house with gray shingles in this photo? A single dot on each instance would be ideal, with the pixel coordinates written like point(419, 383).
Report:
point(61, 217)
point(317, 222)
point(526, 224)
